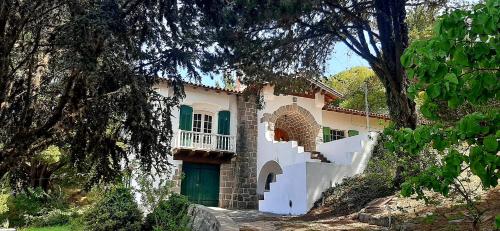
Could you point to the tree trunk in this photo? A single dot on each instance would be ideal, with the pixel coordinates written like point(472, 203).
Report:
point(476, 226)
point(401, 108)
point(393, 31)
point(41, 174)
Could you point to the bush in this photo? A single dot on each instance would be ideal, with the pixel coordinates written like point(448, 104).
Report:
point(51, 218)
point(21, 205)
point(353, 194)
point(33, 202)
point(117, 210)
point(169, 215)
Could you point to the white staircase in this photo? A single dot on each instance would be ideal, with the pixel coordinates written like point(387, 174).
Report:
point(302, 182)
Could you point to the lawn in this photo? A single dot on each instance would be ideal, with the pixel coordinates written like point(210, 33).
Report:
point(53, 228)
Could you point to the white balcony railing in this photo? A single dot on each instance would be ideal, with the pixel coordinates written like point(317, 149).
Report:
point(205, 141)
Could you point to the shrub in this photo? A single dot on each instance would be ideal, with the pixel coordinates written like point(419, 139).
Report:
point(152, 190)
point(354, 193)
point(4, 208)
point(32, 202)
point(117, 210)
point(51, 218)
point(169, 215)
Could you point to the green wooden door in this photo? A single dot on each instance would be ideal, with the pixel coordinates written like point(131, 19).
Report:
point(201, 183)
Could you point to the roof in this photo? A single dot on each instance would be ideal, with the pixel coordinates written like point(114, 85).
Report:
point(319, 84)
point(211, 87)
point(195, 85)
point(325, 87)
point(355, 112)
point(315, 82)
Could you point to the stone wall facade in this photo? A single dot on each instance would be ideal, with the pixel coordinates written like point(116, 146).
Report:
point(245, 163)
point(299, 124)
point(297, 129)
point(227, 179)
point(176, 179)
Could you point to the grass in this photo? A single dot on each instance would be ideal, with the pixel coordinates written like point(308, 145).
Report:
point(53, 228)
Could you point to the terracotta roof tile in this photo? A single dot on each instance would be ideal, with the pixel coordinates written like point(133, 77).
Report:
point(211, 87)
point(205, 86)
point(355, 112)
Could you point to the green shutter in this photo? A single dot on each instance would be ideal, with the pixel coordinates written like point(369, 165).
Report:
point(353, 133)
point(186, 118)
point(326, 135)
point(223, 125)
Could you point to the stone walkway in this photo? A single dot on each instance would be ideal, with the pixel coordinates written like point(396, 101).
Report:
point(252, 220)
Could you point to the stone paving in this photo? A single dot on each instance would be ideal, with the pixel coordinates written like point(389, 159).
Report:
point(253, 220)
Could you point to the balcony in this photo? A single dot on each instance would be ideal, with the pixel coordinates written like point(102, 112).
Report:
point(205, 142)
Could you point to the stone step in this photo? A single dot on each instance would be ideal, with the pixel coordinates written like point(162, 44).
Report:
point(319, 156)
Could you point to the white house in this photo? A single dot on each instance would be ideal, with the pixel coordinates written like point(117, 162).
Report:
point(230, 153)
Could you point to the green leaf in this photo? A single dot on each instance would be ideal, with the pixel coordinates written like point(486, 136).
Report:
point(489, 81)
point(437, 27)
point(410, 73)
point(490, 143)
point(452, 78)
point(406, 59)
point(453, 102)
point(412, 91)
point(406, 189)
point(439, 143)
point(441, 71)
point(433, 91)
point(497, 221)
point(460, 57)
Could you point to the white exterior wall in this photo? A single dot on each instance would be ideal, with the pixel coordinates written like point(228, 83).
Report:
point(204, 100)
point(266, 150)
point(303, 179)
point(319, 176)
point(344, 121)
point(282, 152)
point(290, 187)
point(355, 152)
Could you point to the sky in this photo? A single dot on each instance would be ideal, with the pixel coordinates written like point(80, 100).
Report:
point(340, 60)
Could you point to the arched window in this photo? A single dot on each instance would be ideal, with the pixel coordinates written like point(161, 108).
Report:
point(270, 178)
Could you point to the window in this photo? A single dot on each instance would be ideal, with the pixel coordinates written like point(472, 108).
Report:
point(207, 125)
point(207, 128)
point(202, 123)
point(337, 134)
point(197, 123)
point(352, 133)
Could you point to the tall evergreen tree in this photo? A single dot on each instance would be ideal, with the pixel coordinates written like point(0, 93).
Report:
point(80, 72)
point(271, 40)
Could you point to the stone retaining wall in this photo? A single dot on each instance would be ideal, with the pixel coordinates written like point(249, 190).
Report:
point(207, 219)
